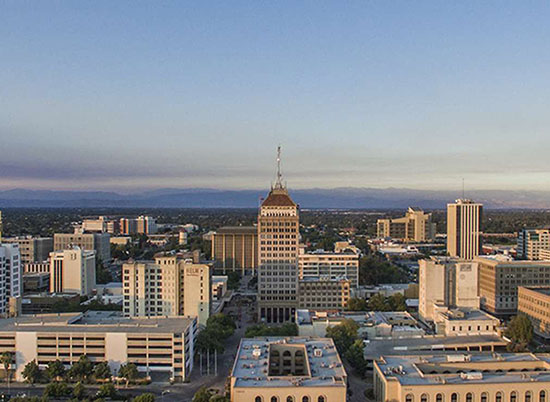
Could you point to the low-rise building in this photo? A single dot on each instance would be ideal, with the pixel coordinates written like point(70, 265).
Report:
point(219, 286)
point(120, 240)
point(36, 281)
point(45, 302)
point(408, 290)
point(160, 346)
point(323, 293)
point(321, 263)
point(288, 369)
point(465, 321)
point(534, 302)
point(462, 377)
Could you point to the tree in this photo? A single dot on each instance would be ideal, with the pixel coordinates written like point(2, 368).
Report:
point(520, 332)
point(79, 391)
point(356, 357)
point(343, 334)
point(219, 398)
point(6, 358)
point(102, 371)
point(55, 370)
point(356, 304)
point(129, 372)
point(233, 280)
point(31, 372)
point(222, 324)
point(377, 303)
point(147, 397)
point(203, 394)
point(107, 391)
point(57, 390)
point(81, 369)
point(102, 274)
point(397, 302)
point(288, 329)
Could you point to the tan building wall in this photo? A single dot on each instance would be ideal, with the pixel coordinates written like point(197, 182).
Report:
point(235, 248)
point(73, 271)
point(415, 226)
point(464, 229)
point(32, 249)
point(99, 242)
point(323, 294)
point(532, 243)
point(534, 302)
point(332, 265)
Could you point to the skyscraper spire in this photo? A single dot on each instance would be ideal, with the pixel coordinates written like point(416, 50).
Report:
point(279, 181)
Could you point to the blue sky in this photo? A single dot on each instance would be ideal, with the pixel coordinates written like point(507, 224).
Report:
point(139, 95)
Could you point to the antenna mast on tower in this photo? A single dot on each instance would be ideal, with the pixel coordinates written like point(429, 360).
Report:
point(279, 181)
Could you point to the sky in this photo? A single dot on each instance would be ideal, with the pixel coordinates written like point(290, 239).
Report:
point(135, 95)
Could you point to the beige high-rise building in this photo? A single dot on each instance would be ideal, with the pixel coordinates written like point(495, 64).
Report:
point(295, 369)
point(499, 280)
point(86, 241)
point(445, 283)
point(492, 377)
point(72, 271)
point(415, 226)
point(167, 287)
point(328, 264)
point(464, 219)
point(32, 249)
point(532, 243)
point(11, 276)
point(235, 248)
point(278, 243)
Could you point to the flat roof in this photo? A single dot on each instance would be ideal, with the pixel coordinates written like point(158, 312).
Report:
point(468, 314)
point(94, 321)
point(465, 368)
point(325, 368)
point(237, 229)
point(543, 290)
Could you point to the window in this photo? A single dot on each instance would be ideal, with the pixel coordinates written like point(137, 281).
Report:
point(528, 396)
point(513, 396)
point(439, 398)
point(409, 398)
point(289, 399)
point(321, 399)
point(484, 397)
point(424, 398)
point(469, 397)
point(305, 399)
point(258, 399)
point(274, 399)
point(454, 397)
point(542, 396)
point(498, 397)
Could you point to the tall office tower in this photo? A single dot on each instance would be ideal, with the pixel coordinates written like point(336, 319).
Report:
point(415, 226)
point(278, 241)
point(128, 226)
point(167, 287)
point(11, 275)
point(235, 248)
point(463, 229)
point(100, 242)
point(72, 271)
point(531, 242)
point(446, 282)
point(32, 249)
point(146, 225)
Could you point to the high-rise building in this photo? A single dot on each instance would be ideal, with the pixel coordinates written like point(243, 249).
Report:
point(532, 243)
point(445, 283)
point(167, 287)
point(235, 248)
point(32, 249)
point(499, 280)
point(415, 226)
point(73, 271)
point(140, 225)
point(98, 242)
point(464, 219)
point(278, 243)
point(11, 275)
point(323, 293)
point(328, 264)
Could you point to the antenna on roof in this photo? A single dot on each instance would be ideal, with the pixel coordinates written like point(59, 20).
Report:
point(279, 181)
point(463, 197)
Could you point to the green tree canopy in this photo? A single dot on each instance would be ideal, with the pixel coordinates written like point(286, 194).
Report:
point(81, 369)
point(102, 371)
point(31, 372)
point(356, 304)
point(129, 372)
point(520, 332)
point(55, 370)
point(343, 334)
point(203, 394)
point(147, 397)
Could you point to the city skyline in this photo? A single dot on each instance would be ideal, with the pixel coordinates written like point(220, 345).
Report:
point(366, 95)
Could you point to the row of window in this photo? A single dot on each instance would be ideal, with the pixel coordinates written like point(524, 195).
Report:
point(290, 398)
point(484, 397)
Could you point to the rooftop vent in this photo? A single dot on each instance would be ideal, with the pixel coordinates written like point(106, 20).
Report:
point(318, 353)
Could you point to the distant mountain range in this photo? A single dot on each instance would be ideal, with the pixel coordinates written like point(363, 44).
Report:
point(338, 198)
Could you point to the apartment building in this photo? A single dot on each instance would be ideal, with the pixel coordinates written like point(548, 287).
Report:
point(160, 346)
point(462, 378)
point(446, 282)
point(32, 249)
point(499, 280)
point(73, 271)
point(167, 287)
point(464, 219)
point(235, 248)
point(288, 369)
point(531, 242)
point(415, 226)
point(11, 276)
point(323, 293)
point(139, 225)
point(98, 242)
point(321, 263)
point(278, 243)
point(534, 302)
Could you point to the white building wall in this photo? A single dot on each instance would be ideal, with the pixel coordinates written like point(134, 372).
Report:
point(116, 350)
point(26, 351)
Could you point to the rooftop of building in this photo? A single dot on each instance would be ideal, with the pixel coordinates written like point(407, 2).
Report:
point(501, 261)
point(326, 278)
point(324, 253)
point(466, 368)
point(324, 367)
point(238, 230)
point(543, 290)
point(461, 314)
point(307, 317)
point(94, 321)
point(278, 197)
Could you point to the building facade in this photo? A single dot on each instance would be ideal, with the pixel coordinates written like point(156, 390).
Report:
point(278, 244)
point(73, 271)
point(531, 242)
point(288, 369)
point(98, 242)
point(444, 283)
point(11, 276)
point(415, 226)
point(235, 248)
point(323, 293)
point(32, 249)
point(499, 281)
point(464, 219)
point(332, 265)
point(167, 287)
point(161, 346)
point(534, 302)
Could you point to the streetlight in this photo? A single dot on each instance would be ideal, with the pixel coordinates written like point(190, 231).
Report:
point(162, 394)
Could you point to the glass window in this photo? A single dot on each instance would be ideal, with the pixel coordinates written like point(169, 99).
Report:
point(424, 398)
point(498, 397)
point(439, 398)
point(454, 397)
point(409, 398)
point(469, 397)
point(542, 396)
point(258, 399)
point(528, 396)
point(484, 397)
point(513, 396)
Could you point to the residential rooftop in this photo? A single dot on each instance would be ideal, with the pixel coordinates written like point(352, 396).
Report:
point(465, 368)
point(94, 321)
point(323, 366)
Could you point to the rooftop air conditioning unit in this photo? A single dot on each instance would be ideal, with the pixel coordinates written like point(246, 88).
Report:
point(318, 353)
